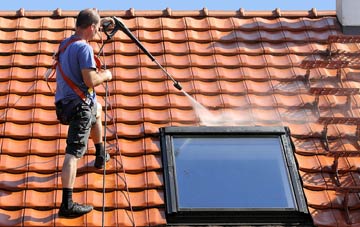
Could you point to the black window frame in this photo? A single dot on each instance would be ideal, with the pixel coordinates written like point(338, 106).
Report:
point(234, 216)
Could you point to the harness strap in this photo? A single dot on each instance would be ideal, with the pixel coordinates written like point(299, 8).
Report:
point(71, 84)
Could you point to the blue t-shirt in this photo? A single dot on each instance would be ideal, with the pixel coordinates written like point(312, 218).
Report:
point(77, 56)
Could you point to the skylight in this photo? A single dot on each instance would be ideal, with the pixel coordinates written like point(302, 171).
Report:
point(230, 174)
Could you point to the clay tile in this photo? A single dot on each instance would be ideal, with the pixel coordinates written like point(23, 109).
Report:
point(131, 11)
point(21, 12)
point(168, 12)
point(242, 12)
point(57, 12)
point(314, 12)
point(205, 11)
point(277, 12)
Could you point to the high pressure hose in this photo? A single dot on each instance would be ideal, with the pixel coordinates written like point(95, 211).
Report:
point(120, 25)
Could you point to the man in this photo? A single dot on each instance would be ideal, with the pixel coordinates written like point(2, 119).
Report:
point(76, 105)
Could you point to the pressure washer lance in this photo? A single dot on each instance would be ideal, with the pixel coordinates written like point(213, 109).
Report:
point(120, 25)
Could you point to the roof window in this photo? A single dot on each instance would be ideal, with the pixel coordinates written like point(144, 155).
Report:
point(231, 175)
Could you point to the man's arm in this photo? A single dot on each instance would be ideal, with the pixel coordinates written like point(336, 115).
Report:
point(93, 78)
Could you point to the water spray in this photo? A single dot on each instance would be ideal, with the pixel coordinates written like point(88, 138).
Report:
point(119, 25)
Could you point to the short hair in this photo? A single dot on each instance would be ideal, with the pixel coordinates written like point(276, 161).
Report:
point(87, 17)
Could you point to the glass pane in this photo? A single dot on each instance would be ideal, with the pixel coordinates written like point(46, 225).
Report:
point(237, 172)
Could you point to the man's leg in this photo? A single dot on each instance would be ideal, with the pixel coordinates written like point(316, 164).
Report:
point(68, 176)
point(96, 135)
point(78, 135)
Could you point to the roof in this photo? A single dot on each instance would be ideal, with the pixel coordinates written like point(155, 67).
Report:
point(265, 68)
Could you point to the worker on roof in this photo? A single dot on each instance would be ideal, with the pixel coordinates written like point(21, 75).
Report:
point(76, 105)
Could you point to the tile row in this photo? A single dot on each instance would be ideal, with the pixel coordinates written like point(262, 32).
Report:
point(180, 36)
point(46, 200)
point(209, 88)
point(46, 148)
point(14, 119)
point(116, 217)
point(183, 23)
point(302, 126)
point(45, 181)
point(210, 74)
point(186, 47)
point(169, 60)
point(40, 108)
point(51, 164)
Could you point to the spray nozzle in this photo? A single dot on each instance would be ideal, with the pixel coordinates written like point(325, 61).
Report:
point(178, 86)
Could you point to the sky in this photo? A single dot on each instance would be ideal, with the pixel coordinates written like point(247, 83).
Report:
point(163, 4)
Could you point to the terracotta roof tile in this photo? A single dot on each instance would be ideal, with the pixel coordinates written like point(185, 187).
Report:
point(244, 66)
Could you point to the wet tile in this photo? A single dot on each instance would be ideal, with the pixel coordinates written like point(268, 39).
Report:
point(318, 199)
point(238, 87)
point(292, 24)
point(231, 101)
point(250, 48)
point(275, 48)
point(261, 100)
point(308, 163)
point(313, 180)
point(249, 36)
point(295, 36)
point(272, 36)
point(323, 217)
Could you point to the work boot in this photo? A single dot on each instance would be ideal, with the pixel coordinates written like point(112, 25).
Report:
point(75, 211)
point(99, 160)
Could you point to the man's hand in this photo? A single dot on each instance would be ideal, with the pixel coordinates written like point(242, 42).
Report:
point(107, 23)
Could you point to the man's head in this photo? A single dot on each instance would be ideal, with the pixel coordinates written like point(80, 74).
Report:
point(88, 19)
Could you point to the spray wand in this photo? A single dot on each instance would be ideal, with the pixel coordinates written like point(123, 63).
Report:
point(120, 25)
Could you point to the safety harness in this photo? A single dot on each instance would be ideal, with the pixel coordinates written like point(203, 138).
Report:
point(50, 73)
